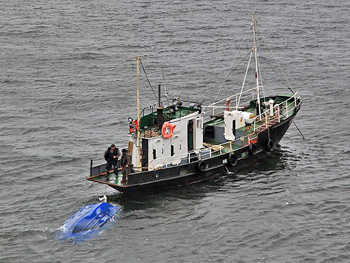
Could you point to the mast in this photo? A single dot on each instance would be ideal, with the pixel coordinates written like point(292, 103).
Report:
point(254, 23)
point(138, 139)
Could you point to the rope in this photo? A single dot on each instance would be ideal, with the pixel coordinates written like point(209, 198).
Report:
point(262, 84)
point(228, 72)
point(166, 92)
point(144, 71)
point(299, 130)
point(233, 71)
point(279, 77)
point(245, 77)
point(287, 82)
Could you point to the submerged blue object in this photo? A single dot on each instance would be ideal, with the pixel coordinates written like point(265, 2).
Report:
point(89, 221)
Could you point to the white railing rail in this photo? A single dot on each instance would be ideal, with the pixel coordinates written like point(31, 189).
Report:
point(294, 97)
point(230, 97)
point(246, 95)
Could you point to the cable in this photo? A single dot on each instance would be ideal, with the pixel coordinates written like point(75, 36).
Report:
point(144, 71)
point(228, 72)
point(279, 77)
point(166, 92)
point(261, 80)
point(287, 82)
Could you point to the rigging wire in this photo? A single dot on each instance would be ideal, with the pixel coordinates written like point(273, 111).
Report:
point(144, 71)
point(261, 80)
point(245, 77)
point(236, 68)
point(287, 82)
point(243, 59)
point(228, 72)
point(166, 92)
point(279, 77)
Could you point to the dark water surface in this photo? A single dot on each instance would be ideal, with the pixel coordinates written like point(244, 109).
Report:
point(67, 86)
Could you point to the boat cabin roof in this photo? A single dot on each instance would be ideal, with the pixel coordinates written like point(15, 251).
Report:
point(169, 113)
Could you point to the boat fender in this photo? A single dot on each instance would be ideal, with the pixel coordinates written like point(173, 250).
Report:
point(270, 145)
point(232, 159)
point(252, 148)
point(167, 130)
point(202, 166)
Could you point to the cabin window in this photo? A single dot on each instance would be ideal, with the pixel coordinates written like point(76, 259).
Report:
point(209, 131)
point(172, 150)
point(234, 127)
point(154, 154)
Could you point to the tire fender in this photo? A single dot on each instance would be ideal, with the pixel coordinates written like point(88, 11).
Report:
point(232, 159)
point(202, 166)
point(252, 148)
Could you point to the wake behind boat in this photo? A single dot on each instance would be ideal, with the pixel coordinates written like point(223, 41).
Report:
point(184, 143)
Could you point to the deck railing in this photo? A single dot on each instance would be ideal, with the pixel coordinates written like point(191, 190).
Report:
point(243, 97)
point(101, 166)
point(280, 110)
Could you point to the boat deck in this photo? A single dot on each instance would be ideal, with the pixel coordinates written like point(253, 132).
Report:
point(112, 178)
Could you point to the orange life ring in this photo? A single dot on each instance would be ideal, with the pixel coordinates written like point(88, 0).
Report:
point(134, 126)
point(167, 130)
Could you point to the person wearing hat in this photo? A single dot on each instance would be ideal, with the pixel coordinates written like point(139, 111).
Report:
point(111, 156)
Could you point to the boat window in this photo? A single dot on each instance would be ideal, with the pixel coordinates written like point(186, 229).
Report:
point(209, 131)
point(154, 154)
point(172, 150)
point(234, 127)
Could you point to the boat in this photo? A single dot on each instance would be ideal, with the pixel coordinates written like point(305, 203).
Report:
point(89, 221)
point(187, 142)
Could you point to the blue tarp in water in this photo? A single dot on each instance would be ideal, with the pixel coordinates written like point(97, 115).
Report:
point(89, 221)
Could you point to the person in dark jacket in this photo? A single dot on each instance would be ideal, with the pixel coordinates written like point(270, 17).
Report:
point(123, 164)
point(111, 156)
